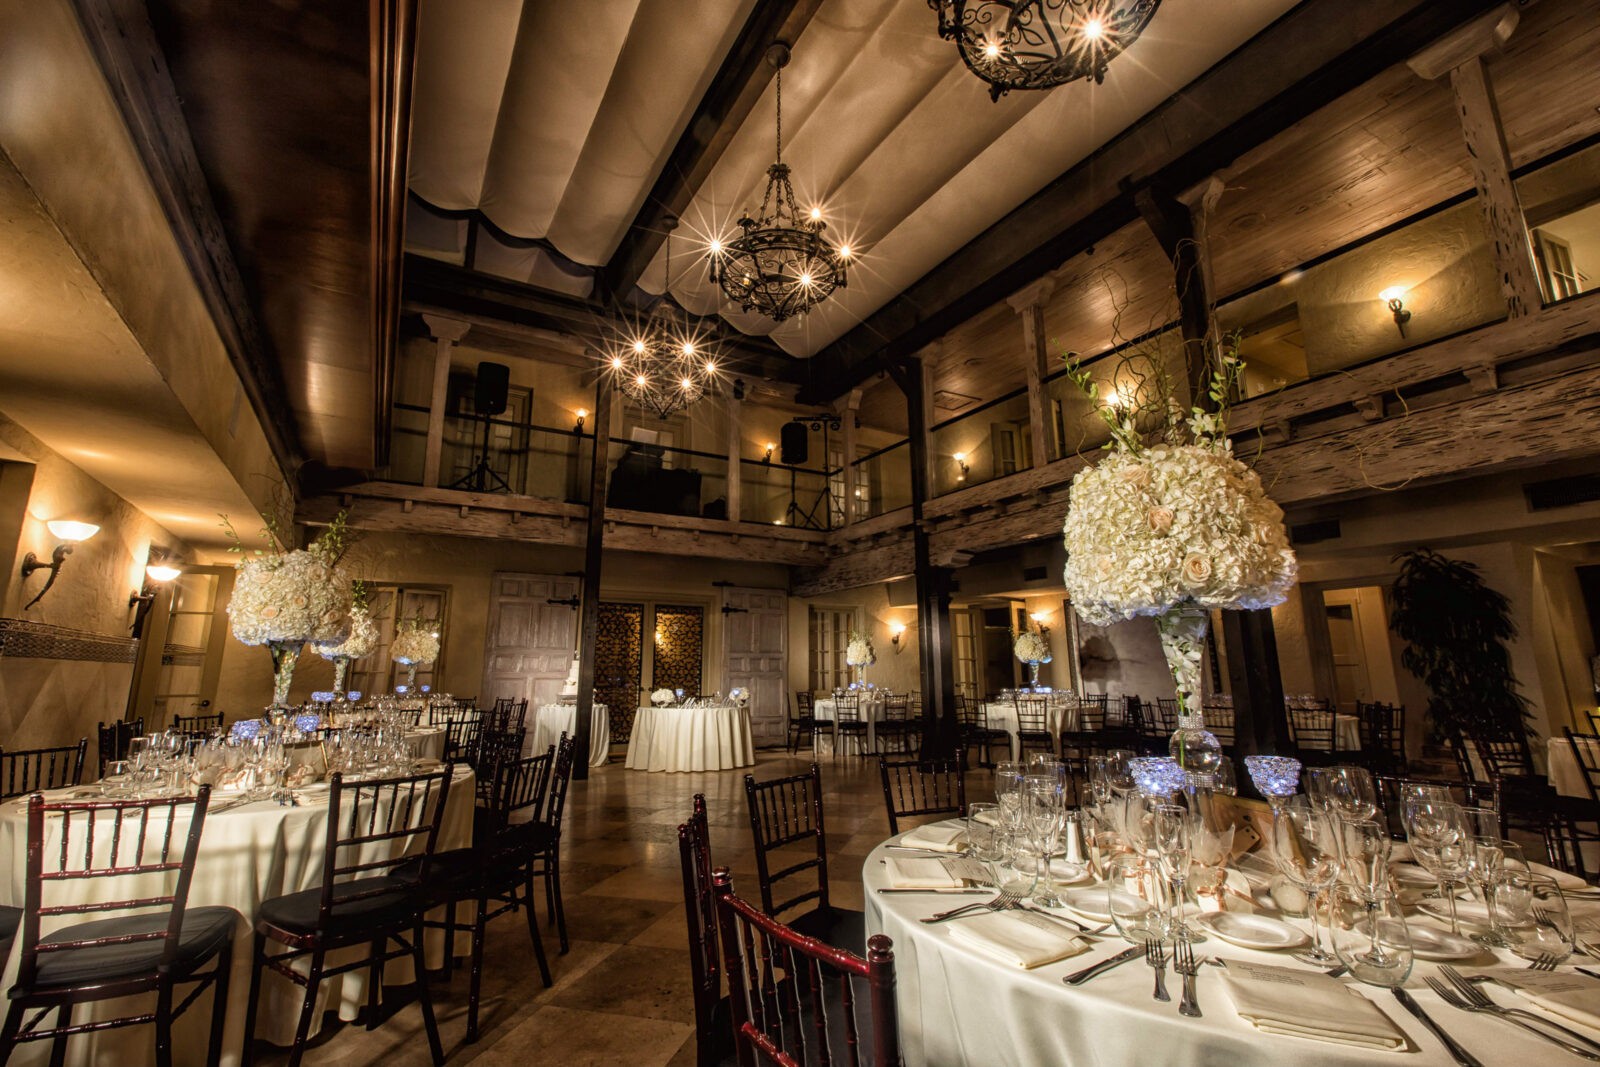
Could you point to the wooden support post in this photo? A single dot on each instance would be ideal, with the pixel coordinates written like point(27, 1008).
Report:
point(448, 333)
point(847, 407)
point(589, 631)
point(1029, 304)
point(735, 492)
point(1174, 228)
point(934, 644)
point(1460, 54)
point(1259, 722)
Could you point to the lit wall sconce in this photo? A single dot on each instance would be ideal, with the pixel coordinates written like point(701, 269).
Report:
point(768, 457)
point(1391, 298)
point(1039, 618)
point(70, 533)
point(155, 574)
point(897, 630)
point(582, 413)
point(961, 461)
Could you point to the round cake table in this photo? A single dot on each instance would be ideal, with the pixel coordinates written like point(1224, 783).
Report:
point(553, 720)
point(714, 738)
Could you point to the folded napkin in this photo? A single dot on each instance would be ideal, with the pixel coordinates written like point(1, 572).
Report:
point(939, 837)
point(920, 874)
point(1018, 938)
point(1281, 1000)
point(1567, 883)
point(1571, 996)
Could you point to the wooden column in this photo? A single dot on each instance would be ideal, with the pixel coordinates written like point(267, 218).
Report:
point(847, 408)
point(589, 623)
point(1461, 54)
point(1174, 228)
point(447, 333)
point(1259, 722)
point(934, 644)
point(1029, 304)
point(926, 366)
point(735, 458)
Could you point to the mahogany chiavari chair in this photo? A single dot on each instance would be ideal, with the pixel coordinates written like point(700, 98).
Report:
point(813, 1015)
point(896, 727)
point(494, 748)
point(546, 839)
point(1083, 735)
point(1033, 723)
point(975, 730)
point(802, 721)
point(462, 729)
point(847, 722)
point(922, 787)
point(34, 769)
point(785, 812)
point(1312, 730)
point(152, 941)
point(196, 724)
point(1219, 720)
point(114, 737)
point(360, 903)
point(712, 1024)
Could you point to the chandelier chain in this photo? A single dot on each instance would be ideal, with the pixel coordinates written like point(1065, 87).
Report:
point(780, 114)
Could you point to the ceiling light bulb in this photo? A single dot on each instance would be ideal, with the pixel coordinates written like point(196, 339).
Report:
point(641, 381)
point(582, 413)
point(639, 346)
point(1094, 29)
point(616, 362)
point(688, 348)
point(161, 572)
point(711, 368)
point(687, 384)
point(1394, 292)
point(991, 51)
point(68, 530)
point(844, 251)
point(960, 457)
point(805, 279)
point(816, 213)
point(716, 247)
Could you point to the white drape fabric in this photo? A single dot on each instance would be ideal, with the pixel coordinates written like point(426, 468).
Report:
point(553, 720)
point(691, 739)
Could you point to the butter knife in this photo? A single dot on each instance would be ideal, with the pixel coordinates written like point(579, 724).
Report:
point(1462, 1056)
point(1079, 977)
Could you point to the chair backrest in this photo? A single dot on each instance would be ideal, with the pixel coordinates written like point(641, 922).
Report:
point(967, 712)
point(462, 728)
point(1219, 720)
point(131, 844)
point(1505, 756)
point(371, 823)
point(1310, 727)
point(1586, 750)
point(197, 724)
point(1391, 790)
point(804, 703)
point(922, 787)
point(785, 811)
point(812, 1017)
point(520, 786)
point(1133, 714)
point(560, 780)
point(1091, 715)
point(502, 718)
point(700, 908)
point(114, 737)
point(847, 708)
point(897, 707)
point(29, 770)
point(496, 747)
point(1033, 713)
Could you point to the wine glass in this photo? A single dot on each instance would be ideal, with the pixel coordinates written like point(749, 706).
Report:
point(1172, 833)
point(1488, 859)
point(1537, 920)
point(1043, 809)
point(1350, 792)
point(1114, 770)
point(1306, 850)
point(1370, 935)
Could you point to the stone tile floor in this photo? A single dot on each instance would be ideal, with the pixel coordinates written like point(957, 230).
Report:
point(621, 996)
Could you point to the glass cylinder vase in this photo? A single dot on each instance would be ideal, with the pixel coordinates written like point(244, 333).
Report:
point(1183, 641)
point(285, 654)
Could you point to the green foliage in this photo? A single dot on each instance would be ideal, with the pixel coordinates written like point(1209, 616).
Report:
point(360, 593)
point(1455, 628)
point(1151, 397)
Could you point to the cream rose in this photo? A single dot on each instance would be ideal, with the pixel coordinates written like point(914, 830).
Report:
point(1160, 519)
point(1196, 570)
point(1136, 476)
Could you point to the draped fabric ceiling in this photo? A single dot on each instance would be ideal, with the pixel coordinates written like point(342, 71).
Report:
point(553, 121)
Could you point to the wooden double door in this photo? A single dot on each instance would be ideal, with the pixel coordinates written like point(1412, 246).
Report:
point(532, 634)
point(755, 625)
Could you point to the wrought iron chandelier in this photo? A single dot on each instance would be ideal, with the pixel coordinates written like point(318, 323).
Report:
point(661, 364)
point(1040, 44)
point(780, 265)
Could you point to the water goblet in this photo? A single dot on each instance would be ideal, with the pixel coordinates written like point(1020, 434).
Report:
point(1534, 916)
point(1043, 810)
point(1135, 899)
point(1306, 850)
point(1488, 858)
point(1370, 935)
point(983, 819)
point(117, 780)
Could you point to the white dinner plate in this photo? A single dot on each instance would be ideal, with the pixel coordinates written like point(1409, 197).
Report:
point(1091, 903)
point(1412, 875)
point(1252, 931)
point(1429, 942)
point(1064, 873)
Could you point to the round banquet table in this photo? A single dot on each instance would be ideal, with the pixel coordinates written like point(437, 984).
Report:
point(553, 720)
point(1061, 713)
point(960, 1007)
point(426, 742)
point(713, 738)
point(247, 854)
point(824, 710)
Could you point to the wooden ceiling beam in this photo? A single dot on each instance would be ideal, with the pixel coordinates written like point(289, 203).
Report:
point(1317, 52)
point(727, 102)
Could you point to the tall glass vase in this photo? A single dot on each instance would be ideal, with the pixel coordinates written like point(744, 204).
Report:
point(1033, 675)
point(285, 654)
point(1183, 642)
point(411, 677)
point(341, 669)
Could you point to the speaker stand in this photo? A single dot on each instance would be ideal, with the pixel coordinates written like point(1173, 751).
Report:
point(482, 478)
point(797, 518)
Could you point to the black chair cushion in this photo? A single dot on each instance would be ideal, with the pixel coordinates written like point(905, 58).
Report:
point(838, 927)
point(296, 913)
point(205, 932)
point(10, 919)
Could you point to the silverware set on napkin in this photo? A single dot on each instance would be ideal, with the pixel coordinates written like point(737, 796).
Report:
point(1458, 992)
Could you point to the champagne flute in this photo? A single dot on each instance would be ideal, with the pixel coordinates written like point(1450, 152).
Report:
point(1044, 808)
point(1306, 850)
point(1172, 833)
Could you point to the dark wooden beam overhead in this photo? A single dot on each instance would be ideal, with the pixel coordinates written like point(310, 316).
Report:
point(450, 288)
point(394, 40)
point(733, 92)
point(1309, 57)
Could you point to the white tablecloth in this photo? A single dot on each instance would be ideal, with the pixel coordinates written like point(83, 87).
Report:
point(1061, 713)
point(247, 854)
point(553, 720)
point(1565, 774)
point(691, 739)
point(962, 1008)
point(824, 710)
point(426, 742)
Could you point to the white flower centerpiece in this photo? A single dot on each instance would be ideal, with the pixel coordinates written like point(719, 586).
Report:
point(284, 599)
point(858, 653)
point(738, 696)
point(1171, 530)
point(662, 697)
point(360, 643)
point(415, 641)
point(1032, 648)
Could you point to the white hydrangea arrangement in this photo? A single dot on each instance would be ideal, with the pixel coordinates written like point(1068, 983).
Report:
point(858, 651)
point(415, 641)
point(662, 697)
point(284, 599)
point(739, 696)
point(1031, 647)
point(1175, 528)
point(361, 641)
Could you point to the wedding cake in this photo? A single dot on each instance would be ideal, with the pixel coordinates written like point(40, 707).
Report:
point(569, 689)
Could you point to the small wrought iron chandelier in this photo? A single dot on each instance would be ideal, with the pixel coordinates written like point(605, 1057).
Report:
point(1040, 44)
point(780, 265)
point(661, 364)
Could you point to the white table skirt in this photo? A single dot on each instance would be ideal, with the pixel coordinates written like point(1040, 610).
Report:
point(691, 739)
point(824, 710)
point(247, 854)
point(553, 720)
point(1565, 774)
point(426, 742)
point(1060, 714)
point(961, 1008)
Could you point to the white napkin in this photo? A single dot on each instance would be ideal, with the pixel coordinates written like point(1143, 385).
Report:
point(939, 837)
point(1018, 938)
point(1278, 1000)
point(1571, 996)
point(907, 873)
point(1567, 883)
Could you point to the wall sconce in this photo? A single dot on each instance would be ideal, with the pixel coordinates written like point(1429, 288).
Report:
point(1391, 297)
point(897, 630)
point(1039, 618)
point(961, 461)
point(141, 602)
point(768, 457)
point(582, 413)
point(70, 533)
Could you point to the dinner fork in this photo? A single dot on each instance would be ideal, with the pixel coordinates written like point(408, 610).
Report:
point(1476, 1005)
point(1546, 962)
point(1155, 954)
point(1184, 963)
point(1008, 898)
